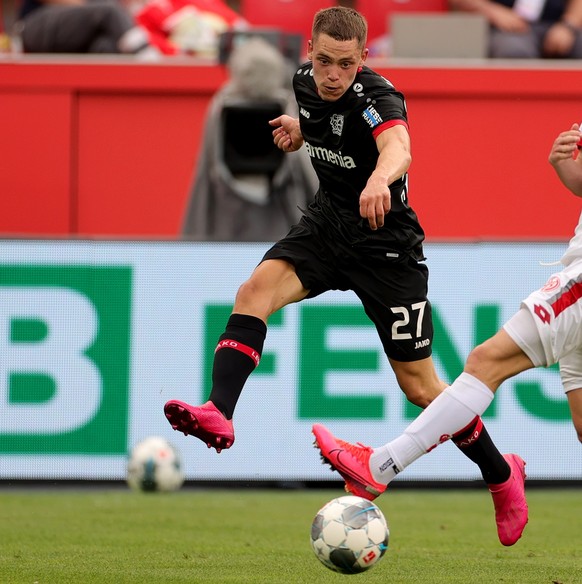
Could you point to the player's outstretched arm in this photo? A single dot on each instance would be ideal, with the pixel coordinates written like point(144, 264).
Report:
point(565, 160)
point(393, 162)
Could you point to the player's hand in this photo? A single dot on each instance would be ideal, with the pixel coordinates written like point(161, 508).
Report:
point(565, 145)
point(287, 133)
point(375, 203)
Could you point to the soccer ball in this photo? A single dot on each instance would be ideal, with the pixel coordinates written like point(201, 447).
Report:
point(154, 465)
point(349, 535)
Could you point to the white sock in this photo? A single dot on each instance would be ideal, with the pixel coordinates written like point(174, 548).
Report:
point(454, 409)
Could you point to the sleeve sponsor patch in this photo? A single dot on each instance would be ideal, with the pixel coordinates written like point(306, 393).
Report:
point(371, 116)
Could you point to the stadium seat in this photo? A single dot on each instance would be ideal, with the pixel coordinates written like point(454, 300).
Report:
point(293, 16)
point(450, 35)
point(378, 12)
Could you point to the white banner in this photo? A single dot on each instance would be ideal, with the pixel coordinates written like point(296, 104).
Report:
point(97, 336)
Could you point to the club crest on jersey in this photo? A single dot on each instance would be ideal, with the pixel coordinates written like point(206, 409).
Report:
point(552, 284)
point(337, 124)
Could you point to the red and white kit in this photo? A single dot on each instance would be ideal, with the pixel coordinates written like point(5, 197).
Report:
point(557, 312)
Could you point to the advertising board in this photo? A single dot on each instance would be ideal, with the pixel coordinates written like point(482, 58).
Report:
point(97, 336)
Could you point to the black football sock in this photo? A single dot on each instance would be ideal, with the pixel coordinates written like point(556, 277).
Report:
point(237, 354)
point(476, 444)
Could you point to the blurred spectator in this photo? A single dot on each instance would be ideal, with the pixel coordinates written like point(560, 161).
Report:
point(535, 29)
point(190, 27)
point(80, 26)
point(229, 202)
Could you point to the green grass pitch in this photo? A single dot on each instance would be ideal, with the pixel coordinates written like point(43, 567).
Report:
point(262, 536)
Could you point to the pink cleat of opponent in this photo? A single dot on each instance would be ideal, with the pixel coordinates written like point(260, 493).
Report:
point(511, 513)
point(350, 460)
point(205, 422)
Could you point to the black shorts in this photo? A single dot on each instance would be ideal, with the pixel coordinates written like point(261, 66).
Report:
point(391, 285)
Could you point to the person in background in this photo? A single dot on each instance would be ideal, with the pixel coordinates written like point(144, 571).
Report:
point(530, 29)
point(360, 234)
point(257, 205)
point(188, 27)
point(80, 26)
point(544, 331)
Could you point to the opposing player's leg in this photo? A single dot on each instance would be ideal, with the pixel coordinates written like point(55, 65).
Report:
point(403, 318)
point(272, 285)
point(421, 385)
point(491, 363)
point(404, 324)
point(511, 510)
point(571, 375)
point(452, 413)
point(575, 402)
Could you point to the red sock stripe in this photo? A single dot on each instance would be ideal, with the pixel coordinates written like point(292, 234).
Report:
point(475, 421)
point(248, 351)
point(475, 427)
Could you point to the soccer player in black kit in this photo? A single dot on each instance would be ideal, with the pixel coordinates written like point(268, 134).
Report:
point(359, 234)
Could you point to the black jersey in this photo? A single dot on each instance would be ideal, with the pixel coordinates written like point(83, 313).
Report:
point(340, 142)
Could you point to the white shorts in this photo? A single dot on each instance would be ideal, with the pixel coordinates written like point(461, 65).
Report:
point(548, 328)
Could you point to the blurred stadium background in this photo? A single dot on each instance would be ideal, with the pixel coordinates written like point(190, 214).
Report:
point(107, 312)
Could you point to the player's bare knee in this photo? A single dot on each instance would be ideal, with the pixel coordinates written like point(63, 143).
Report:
point(254, 291)
point(418, 395)
point(420, 387)
point(420, 400)
point(246, 291)
point(476, 359)
point(481, 362)
point(249, 300)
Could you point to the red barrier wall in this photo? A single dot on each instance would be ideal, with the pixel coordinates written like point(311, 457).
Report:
point(108, 148)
